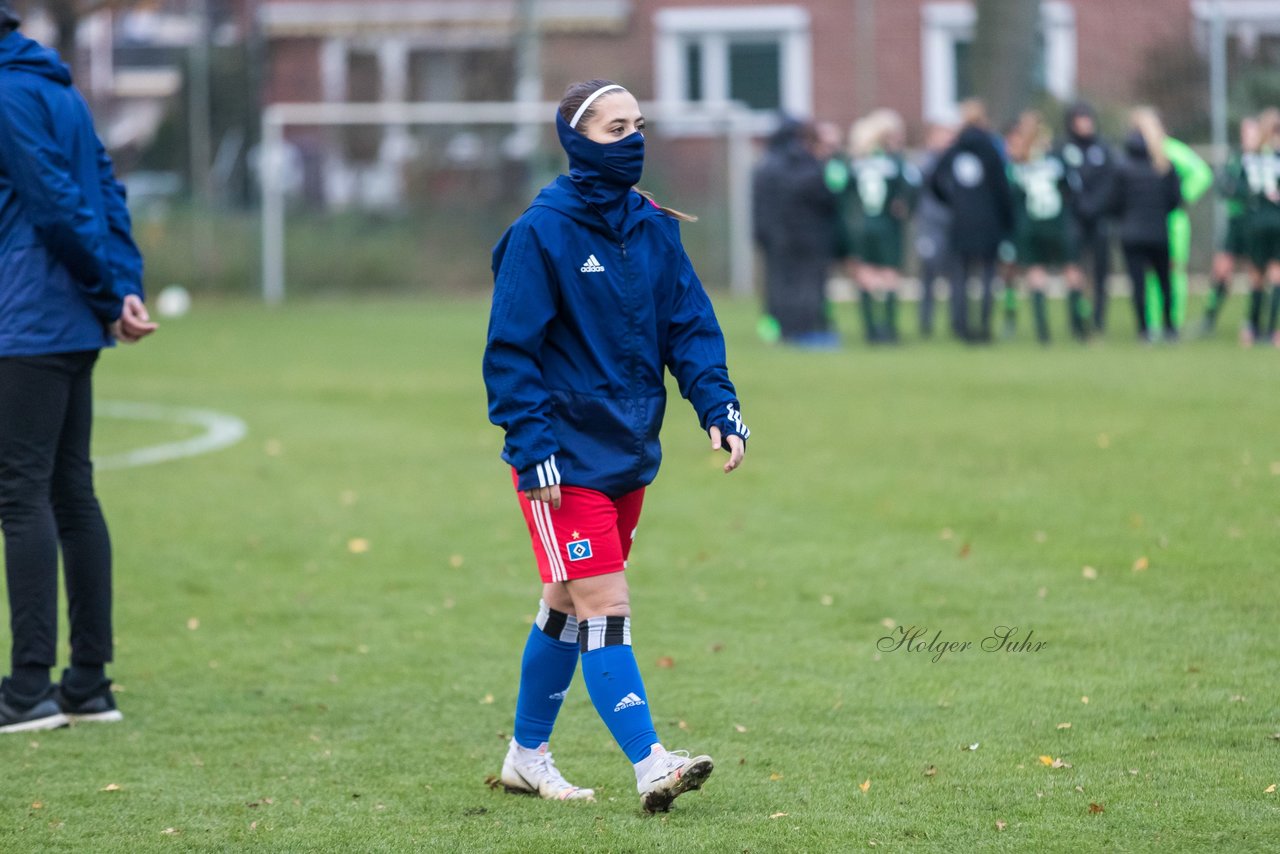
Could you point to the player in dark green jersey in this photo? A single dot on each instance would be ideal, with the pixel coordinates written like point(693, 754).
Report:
point(1262, 170)
point(1233, 186)
point(882, 192)
point(1041, 185)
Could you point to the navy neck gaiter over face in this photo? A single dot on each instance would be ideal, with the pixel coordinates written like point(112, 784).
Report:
point(603, 173)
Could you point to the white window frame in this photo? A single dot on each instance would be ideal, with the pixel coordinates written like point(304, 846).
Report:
point(946, 23)
point(714, 27)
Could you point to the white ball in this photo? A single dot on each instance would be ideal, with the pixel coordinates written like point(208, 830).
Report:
point(173, 301)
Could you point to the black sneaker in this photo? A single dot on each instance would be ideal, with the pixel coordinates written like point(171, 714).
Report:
point(19, 716)
point(99, 705)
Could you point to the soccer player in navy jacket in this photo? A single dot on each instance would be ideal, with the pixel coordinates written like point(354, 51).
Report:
point(594, 297)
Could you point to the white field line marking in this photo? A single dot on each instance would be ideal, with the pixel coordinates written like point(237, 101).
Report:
point(220, 431)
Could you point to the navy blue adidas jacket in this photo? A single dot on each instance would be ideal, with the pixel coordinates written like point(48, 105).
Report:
point(591, 302)
point(66, 256)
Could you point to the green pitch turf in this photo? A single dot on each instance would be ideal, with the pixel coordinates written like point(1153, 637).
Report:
point(319, 629)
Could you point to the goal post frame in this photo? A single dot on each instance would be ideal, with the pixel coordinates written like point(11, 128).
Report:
point(738, 123)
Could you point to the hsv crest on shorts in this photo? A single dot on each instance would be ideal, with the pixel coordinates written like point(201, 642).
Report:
point(579, 549)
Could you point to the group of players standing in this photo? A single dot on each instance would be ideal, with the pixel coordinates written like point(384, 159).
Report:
point(1018, 209)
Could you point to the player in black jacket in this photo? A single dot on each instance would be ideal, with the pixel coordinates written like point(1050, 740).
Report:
point(1091, 165)
point(1145, 192)
point(970, 179)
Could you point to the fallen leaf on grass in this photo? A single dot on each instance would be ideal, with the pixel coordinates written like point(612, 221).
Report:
point(1089, 573)
point(1104, 441)
point(775, 777)
point(1046, 760)
point(682, 725)
point(1001, 825)
point(964, 550)
point(973, 746)
point(357, 545)
point(739, 727)
point(110, 787)
point(171, 831)
point(39, 806)
point(1084, 700)
point(1275, 736)
point(1058, 763)
point(1064, 726)
point(931, 771)
point(492, 781)
point(193, 623)
point(946, 534)
point(487, 700)
point(1269, 790)
point(1237, 698)
point(455, 561)
point(1096, 808)
point(1141, 564)
point(666, 662)
point(865, 785)
point(827, 600)
point(778, 815)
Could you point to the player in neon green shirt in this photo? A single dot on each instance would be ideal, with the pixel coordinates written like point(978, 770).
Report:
point(1195, 177)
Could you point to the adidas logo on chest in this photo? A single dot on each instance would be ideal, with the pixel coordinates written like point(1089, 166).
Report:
point(591, 265)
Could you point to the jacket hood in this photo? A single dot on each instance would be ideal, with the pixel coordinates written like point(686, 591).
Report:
point(1136, 147)
point(972, 138)
point(565, 196)
point(1079, 108)
point(19, 53)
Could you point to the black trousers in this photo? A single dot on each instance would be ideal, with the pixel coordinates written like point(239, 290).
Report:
point(46, 502)
point(1094, 242)
point(1137, 258)
point(796, 291)
point(961, 266)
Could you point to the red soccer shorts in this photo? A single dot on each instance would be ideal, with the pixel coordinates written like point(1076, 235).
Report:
point(591, 533)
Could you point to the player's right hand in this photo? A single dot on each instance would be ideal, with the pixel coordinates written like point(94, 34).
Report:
point(549, 494)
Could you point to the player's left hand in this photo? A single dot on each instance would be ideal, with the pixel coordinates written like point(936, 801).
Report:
point(736, 447)
point(134, 322)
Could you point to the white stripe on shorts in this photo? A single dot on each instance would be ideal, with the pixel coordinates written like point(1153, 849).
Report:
point(547, 532)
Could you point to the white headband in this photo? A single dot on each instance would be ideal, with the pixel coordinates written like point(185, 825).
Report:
point(587, 103)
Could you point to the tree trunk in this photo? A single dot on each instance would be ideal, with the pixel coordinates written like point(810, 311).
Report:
point(1004, 56)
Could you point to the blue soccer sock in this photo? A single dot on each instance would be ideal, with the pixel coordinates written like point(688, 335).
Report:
point(613, 681)
point(550, 657)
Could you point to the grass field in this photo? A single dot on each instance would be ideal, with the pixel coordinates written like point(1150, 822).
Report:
point(286, 689)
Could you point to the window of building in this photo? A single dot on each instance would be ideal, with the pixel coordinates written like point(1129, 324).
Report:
point(947, 51)
point(760, 56)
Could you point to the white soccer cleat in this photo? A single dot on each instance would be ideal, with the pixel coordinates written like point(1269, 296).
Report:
point(533, 772)
point(670, 774)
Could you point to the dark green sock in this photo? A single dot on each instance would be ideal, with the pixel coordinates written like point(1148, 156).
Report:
point(868, 315)
point(1041, 311)
point(891, 316)
point(1009, 302)
point(1078, 312)
point(1255, 311)
point(1213, 305)
point(1274, 313)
